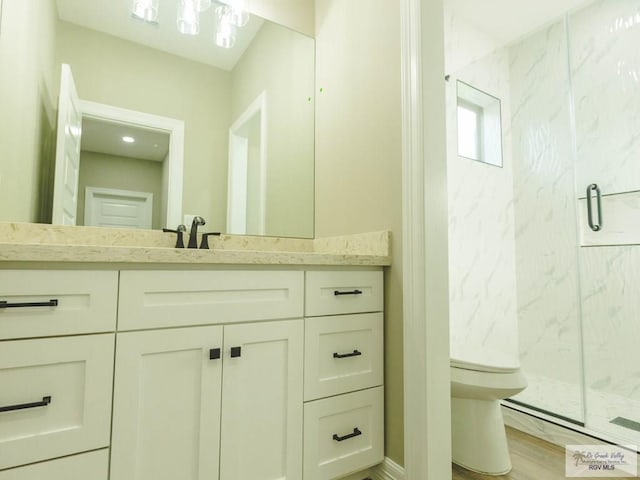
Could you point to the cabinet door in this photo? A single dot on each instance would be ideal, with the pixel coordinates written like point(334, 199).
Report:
point(166, 418)
point(262, 402)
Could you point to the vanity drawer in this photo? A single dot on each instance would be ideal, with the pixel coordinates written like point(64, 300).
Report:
point(336, 292)
point(342, 354)
point(343, 434)
point(152, 299)
point(55, 397)
point(87, 466)
point(86, 302)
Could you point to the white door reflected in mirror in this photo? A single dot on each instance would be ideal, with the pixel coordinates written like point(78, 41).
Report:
point(106, 207)
point(246, 192)
point(94, 138)
point(67, 169)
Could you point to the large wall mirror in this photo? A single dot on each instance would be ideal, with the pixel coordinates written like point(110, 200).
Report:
point(231, 130)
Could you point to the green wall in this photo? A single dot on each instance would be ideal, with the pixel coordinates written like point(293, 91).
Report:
point(359, 156)
point(280, 64)
point(27, 108)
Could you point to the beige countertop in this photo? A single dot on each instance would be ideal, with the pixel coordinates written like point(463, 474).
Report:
point(23, 242)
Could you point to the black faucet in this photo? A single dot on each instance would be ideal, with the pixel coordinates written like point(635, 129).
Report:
point(179, 231)
point(193, 235)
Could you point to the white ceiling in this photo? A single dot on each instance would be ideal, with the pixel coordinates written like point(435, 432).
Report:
point(507, 20)
point(114, 18)
point(106, 137)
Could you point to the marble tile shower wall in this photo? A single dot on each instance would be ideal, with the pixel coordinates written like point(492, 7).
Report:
point(463, 43)
point(481, 228)
point(545, 223)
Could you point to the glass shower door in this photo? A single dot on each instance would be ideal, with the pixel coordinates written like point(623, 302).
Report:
point(548, 299)
point(605, 76)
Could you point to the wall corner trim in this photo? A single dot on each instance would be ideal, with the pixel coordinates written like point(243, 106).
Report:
point(427, 405)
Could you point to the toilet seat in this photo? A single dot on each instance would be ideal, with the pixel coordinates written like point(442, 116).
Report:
point(489, 361)
point(478, 367)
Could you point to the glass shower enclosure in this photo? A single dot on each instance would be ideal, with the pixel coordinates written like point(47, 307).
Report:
point(577, 171)
point(571, 119)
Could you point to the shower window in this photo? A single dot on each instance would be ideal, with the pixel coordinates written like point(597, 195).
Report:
point(469, 130)
point(479, 125)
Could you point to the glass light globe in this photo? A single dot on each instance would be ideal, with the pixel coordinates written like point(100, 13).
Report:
point(188, 17)
point(146, 10)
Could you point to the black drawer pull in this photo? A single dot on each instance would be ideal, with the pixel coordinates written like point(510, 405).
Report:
point(214, 354)
point(236, 352)
point(51, 303)
point(45, 401)
point(350, 292)
point(355, 353)
point(356, 432)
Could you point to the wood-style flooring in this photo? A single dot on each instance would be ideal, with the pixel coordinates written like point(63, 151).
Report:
point(532, 459)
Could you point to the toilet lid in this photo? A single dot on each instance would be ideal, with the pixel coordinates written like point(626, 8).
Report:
point(483, 361)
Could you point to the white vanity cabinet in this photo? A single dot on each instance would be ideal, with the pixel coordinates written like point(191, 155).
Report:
point(221, 374)
point(207, 402)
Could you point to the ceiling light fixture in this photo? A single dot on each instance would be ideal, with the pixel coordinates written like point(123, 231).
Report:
point(128, 139)
point(230, 15)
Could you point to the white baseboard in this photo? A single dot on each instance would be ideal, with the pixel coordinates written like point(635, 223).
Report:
point(387, 470)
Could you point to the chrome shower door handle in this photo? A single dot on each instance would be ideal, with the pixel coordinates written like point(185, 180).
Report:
point(595, 226)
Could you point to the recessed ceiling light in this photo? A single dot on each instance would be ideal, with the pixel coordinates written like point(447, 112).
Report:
point(128, 139)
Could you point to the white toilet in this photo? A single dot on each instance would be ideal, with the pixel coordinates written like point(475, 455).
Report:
point(479, 380)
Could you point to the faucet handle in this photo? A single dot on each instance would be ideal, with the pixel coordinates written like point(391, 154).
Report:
point(179, 231)
point(205, 239)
